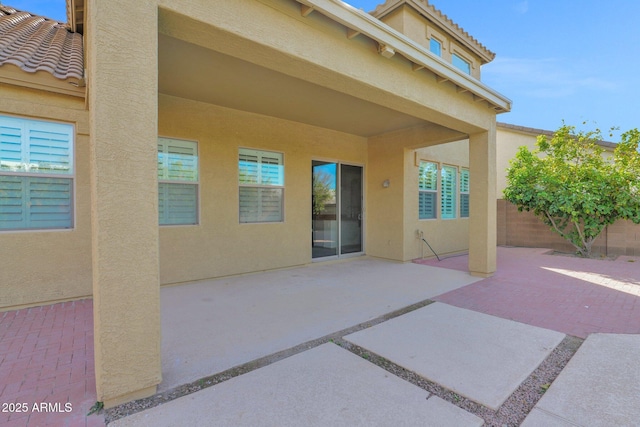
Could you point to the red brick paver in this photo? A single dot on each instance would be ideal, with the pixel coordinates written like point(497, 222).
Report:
point(46, 360)
point(572, 295)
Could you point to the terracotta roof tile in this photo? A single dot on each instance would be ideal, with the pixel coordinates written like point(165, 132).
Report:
point(35, 43)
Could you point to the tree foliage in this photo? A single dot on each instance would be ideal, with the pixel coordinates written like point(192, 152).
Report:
point(322, 191)
point(573, 188)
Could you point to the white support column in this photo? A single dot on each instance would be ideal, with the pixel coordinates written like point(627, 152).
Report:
point(482, 203)
point(122, 64)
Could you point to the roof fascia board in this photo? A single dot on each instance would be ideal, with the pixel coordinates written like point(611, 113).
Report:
point(39, 81)
point(376, 30)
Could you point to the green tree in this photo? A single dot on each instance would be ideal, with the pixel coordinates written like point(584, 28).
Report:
point(573, 188)
point(322, 191)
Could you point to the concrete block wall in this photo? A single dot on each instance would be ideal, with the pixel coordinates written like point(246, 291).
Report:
point(525, 229)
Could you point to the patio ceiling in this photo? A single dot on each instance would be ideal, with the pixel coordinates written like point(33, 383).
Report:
point(194, 72)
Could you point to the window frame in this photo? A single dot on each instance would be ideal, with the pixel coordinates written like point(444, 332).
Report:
point(281, 185)
point(69, 176)
point(167, 181)
point(460, 58)
point(435, 191)
point(432, 41)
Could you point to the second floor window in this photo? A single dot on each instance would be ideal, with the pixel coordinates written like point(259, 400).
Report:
point(435, 46)
point(460, 63)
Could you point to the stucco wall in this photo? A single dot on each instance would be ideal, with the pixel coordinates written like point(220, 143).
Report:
point(410, 23)
point(444, 235)
point(507, 144)
point(53, 265)
point(393, 211)
point(220, 245)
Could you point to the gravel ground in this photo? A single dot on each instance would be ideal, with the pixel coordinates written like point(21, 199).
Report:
point(511, 413)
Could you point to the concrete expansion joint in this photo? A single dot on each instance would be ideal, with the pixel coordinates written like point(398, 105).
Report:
point(516, 407)
point(130, 408)
point(526, 395)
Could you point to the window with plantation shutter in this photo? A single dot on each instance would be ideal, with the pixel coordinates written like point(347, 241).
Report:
point(177, 182)
point(449, 192)
point(464, 193)
point(36, 174)
point(427, 190)
point(261, 186)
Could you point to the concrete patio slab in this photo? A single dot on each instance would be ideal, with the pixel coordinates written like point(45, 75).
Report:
point(599, 387)
point(324, 386)
point(211, 326)
point(481, 357)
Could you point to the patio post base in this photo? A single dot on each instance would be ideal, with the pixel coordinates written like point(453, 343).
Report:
point(135, 395)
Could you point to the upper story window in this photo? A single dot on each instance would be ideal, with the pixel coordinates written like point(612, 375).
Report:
point(36, 174)
point(461, 63)
point(435, 46)
point(177, 182)
point(261, 182)
point(427, 190)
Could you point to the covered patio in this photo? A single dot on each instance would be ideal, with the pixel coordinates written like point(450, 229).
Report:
point(299, 83)
point(211, 326)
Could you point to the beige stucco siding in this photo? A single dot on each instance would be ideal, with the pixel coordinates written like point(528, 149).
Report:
point(507, 144)
point(38, 266)
point(412, 24)
point(219, 245)
point(393, 211)
point(445, 236)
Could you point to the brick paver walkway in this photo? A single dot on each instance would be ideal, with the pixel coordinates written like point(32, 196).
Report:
point(567, 294)
point(46, 357)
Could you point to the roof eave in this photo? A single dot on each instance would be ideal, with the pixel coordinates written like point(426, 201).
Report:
point(41, 80)
point(363, 23)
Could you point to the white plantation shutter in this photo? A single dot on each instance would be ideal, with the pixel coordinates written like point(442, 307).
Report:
point(36, 174)
point(261, 186)
point(177, 182)
point(464, 193)
point(427, 190)
point(449, 189)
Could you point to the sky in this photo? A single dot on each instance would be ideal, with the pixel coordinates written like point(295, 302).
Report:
point(576, 61)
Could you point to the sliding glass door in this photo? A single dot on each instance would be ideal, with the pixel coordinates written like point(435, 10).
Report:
point(336, 209)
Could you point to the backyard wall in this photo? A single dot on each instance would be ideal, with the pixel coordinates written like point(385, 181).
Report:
point(525, 229)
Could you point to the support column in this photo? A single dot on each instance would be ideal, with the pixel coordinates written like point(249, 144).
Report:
point(122, 44)
point(482, 203)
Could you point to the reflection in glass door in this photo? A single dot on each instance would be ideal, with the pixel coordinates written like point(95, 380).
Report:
point(336, 209)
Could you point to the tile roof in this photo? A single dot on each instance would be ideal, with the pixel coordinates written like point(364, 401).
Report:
point(443, 19)
point(35, 43)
